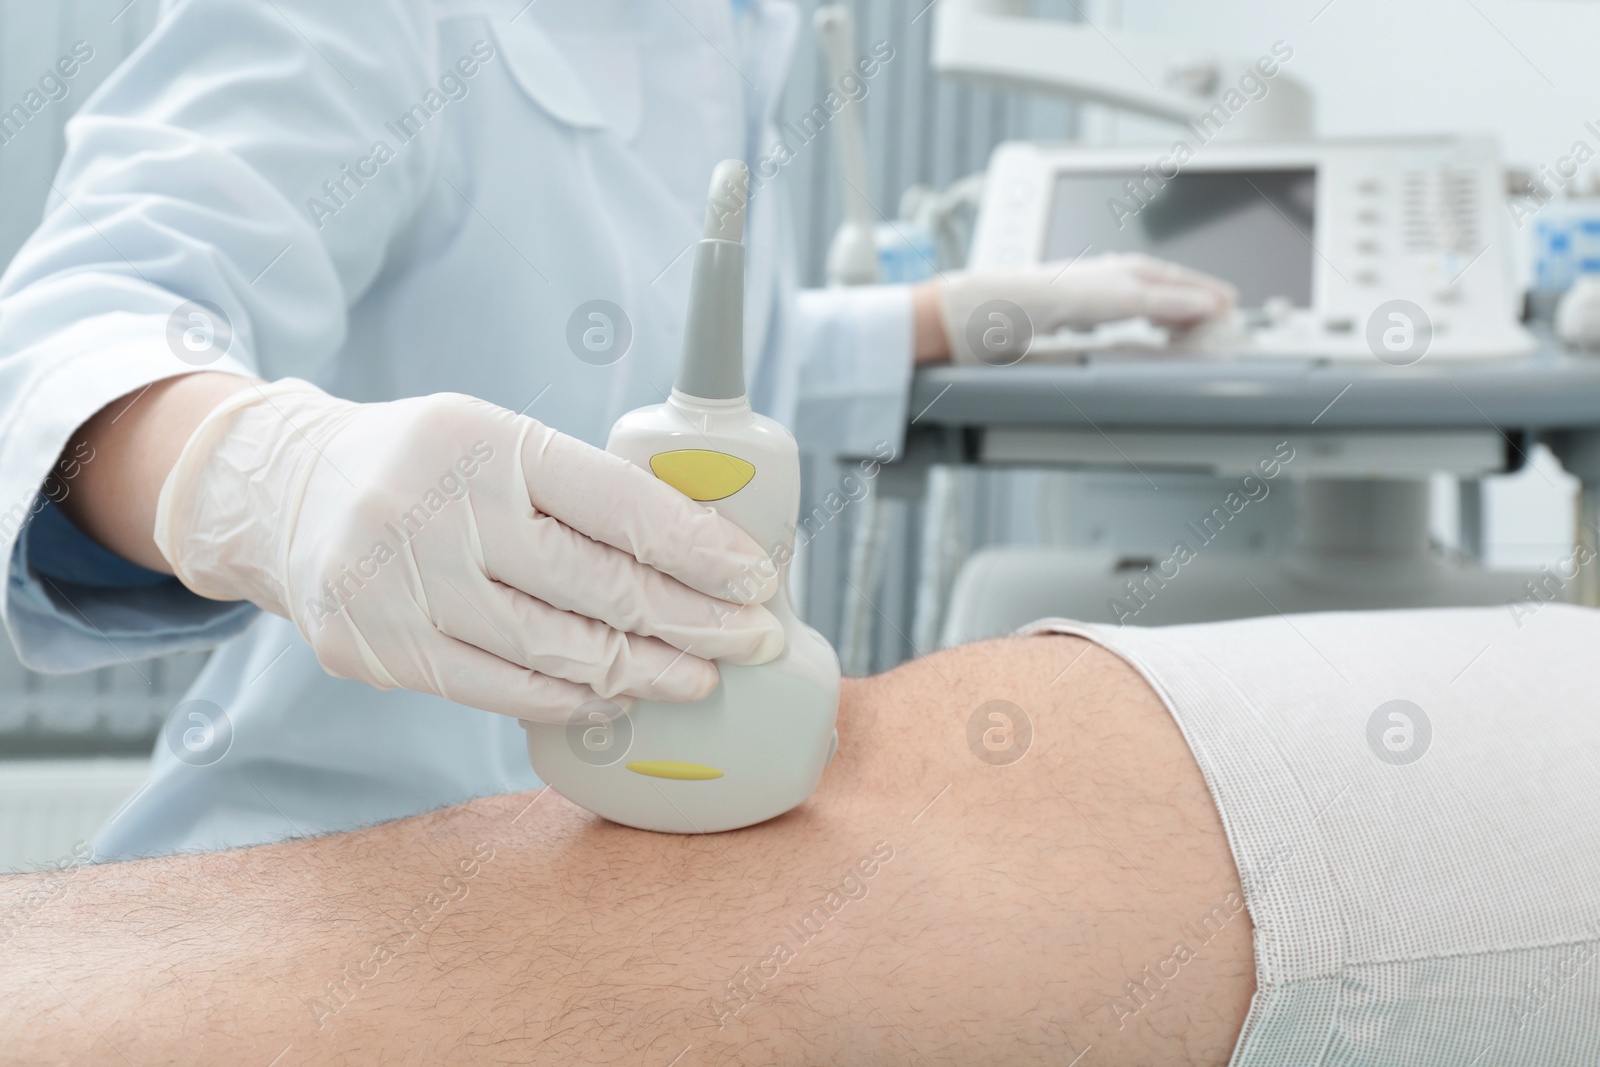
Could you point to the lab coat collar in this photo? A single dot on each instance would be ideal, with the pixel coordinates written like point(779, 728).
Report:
point(543, 72)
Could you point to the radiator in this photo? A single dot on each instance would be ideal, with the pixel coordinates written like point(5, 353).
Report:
point(114, 709)
point(48, 806)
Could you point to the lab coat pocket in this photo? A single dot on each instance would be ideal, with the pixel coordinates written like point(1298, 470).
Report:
point(587, 80)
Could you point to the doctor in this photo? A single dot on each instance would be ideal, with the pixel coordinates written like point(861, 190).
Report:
point(276, 219)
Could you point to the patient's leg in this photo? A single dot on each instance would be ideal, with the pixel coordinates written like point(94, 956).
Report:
point(925, 907)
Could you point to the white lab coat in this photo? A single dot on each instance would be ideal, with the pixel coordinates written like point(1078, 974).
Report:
point(570, 164)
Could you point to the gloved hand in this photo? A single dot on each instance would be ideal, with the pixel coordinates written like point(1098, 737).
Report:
point(450, 546)
point(1080, 295)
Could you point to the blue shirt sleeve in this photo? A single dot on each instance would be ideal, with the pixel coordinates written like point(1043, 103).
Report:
point(56, 548)
point(71, 605)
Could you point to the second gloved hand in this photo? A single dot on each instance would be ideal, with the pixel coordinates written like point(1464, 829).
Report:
point(447, 545)
point(1081, 295)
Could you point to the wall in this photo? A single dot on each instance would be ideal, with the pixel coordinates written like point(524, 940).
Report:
point(1521, 69)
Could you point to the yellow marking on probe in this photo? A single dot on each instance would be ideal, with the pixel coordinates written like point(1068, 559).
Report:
point(683, 772)
point(702, 474)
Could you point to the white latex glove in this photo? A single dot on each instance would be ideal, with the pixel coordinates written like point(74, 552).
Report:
point(1079, 295)
point(1578, 313)
point(447, 545)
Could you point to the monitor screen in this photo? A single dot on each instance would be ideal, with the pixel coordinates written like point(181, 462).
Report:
point(1251, 227)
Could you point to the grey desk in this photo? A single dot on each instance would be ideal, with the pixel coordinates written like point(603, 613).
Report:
point(1550, 390)
point(1105, 413)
